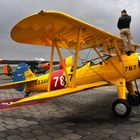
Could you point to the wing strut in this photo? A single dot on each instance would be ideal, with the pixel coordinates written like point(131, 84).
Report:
point(76, 58)
point(117, 50)
point(51, 63)
point(63, 64)
point(99, 55)
point(108, 47)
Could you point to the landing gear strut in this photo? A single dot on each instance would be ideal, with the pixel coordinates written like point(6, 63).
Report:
point(137, 91)
point(133, 99)
point(121, 107)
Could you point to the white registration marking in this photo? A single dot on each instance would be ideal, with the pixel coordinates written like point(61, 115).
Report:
point(56, 80)
point(61, 80)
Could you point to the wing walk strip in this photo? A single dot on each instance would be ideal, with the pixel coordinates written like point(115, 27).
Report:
point(61, 92)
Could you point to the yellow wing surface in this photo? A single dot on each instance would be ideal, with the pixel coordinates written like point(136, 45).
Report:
point(16, 84)
point(45, 27)
point(61, 92)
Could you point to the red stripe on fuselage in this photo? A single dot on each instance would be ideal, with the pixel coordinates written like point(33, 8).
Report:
point(57, 80)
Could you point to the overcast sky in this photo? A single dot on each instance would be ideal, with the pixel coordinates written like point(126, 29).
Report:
point(101, 13)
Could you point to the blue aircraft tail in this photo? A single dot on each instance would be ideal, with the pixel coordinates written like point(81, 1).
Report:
point(18, 75)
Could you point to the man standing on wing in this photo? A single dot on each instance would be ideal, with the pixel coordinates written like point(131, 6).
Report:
point(124, 27)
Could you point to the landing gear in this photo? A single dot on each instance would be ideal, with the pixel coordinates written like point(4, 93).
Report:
point(137, 93)
point(27, 94)
point(121, 108)
point(133, 99)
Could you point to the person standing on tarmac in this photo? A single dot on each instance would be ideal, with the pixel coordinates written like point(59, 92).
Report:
point(124, 27)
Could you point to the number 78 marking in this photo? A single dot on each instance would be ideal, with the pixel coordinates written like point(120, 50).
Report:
point(62, 80)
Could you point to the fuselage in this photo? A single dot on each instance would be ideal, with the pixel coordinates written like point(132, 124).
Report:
point(111, 70)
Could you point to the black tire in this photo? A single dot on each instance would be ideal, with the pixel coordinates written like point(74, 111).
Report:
point(121, 108)
point(133, 99)
point(27, 94)
point(137, 93)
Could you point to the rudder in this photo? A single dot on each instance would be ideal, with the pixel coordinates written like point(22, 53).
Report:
point(18, 75)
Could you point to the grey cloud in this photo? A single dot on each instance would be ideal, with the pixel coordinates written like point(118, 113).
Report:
point(100, 13)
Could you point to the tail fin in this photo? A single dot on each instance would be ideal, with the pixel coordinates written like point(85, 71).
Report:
point(18, 75)
point(22, 73)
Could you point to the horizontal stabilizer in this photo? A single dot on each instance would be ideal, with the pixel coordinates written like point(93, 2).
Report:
point(61, 92)
point(16, 84)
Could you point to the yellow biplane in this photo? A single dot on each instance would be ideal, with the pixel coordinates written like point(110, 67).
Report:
point(58, 30)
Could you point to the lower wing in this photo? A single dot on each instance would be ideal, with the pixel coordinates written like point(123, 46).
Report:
point(61, 92)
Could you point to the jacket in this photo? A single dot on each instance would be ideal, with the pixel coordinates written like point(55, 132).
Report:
point(124, 22)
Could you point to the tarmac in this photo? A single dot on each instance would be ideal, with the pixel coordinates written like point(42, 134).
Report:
point(85, 115)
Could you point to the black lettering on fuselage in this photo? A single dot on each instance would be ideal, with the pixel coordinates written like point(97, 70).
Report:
point(39, 82)
point(130, 68)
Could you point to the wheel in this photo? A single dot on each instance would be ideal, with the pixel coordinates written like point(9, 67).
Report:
point(133, 99)
point(137, 93)
point(27, 94)
point(121, 108)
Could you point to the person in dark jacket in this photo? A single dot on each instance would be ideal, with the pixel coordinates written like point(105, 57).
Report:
point(124, 27)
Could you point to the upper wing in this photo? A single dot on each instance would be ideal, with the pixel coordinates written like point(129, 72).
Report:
point(16, 84)
point(45, 27)
point(61, 92)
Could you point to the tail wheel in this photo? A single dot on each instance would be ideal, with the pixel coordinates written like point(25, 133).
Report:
point(133, 99)
point(121, 108)
point(27, 94)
